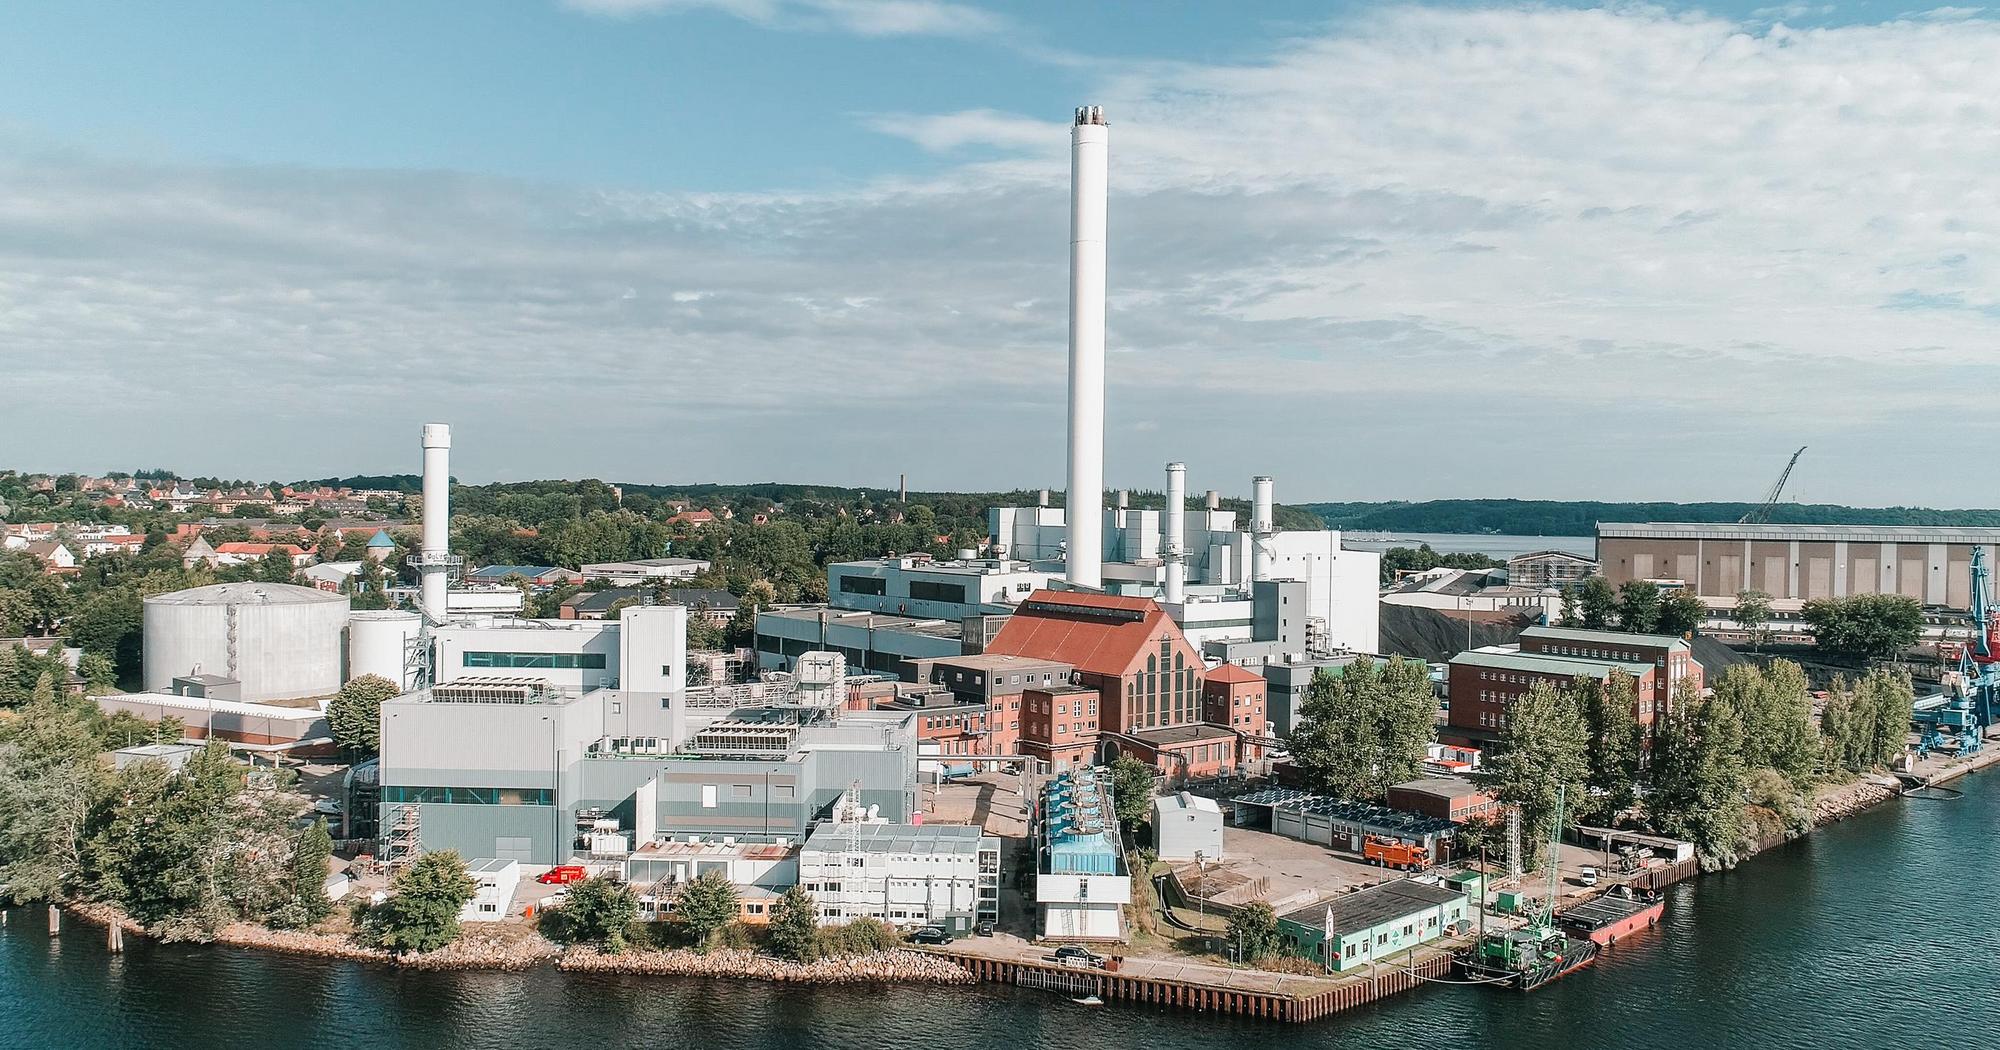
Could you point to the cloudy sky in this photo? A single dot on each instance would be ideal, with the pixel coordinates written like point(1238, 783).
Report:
point(1381, 252)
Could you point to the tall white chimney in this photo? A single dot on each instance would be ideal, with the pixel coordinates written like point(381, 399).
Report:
point(1089, 173)
point(1261, 528)
point(435, 560)
point(1176, 540)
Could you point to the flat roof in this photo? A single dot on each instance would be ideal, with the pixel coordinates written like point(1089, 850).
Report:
point(1579, 634)
point(1564, 665)
point(996, 662)
point(1182, 801)
point(900, 838)
point(1658, 530)
point(873, 621)
point(1369, 908)
point(1447, 787)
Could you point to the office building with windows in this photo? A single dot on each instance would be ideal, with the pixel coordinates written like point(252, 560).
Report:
point(904, 874)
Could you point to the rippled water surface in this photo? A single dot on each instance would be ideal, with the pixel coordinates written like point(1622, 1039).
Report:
point(1883, 931)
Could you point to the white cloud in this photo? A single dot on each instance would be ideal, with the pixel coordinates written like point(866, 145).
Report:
point(1415, 253)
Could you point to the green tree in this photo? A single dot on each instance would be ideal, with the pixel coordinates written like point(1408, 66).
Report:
point(1890, 699)
point(109, 624)
point(304, 892)
point(276, 566)
point(1131, 790)
point(598, 912)
point(355, 713)
point(794, 926)
point(1596, 603)
point(706, 905)
point(1568, 617)
point(1617, 743)
point(1639, 606)
point(1337, 744)
point(12, 692)
point(1699, 780)
point(50, 781)
point(45, 689)
point(1541, 755)
point(421, 915)
point(1253, 931)
point(1753, 614)
point(1865, 626)
point(1681, 612)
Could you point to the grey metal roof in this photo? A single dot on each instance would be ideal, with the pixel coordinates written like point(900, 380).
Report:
point(1578, 634)
point(1563, 665)
point(1369, 908)
point(900, 838)
point(247, 594)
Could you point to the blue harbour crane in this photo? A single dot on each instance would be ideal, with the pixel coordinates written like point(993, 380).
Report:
point(1959, 719)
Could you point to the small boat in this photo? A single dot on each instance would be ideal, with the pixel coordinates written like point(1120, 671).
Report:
point(1088, 1000)
point(1527, 958)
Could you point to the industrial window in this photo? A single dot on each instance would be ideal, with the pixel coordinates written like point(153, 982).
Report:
point(932, 590)
point(708, 796)
point(465, 796)
point(739, 791)
point(864, 585)
point(558, 661)
point(783, 792)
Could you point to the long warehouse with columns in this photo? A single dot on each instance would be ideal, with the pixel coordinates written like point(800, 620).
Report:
point(1798, 562)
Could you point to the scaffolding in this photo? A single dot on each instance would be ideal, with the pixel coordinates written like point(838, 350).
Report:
point(402, 836)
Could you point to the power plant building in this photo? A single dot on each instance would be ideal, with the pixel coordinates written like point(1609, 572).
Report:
point(1797, 563)
point(279, 641)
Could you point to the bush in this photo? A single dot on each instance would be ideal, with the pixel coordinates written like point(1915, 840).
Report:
point(422, 915)
point(858, 937)
point(598, 912)
point(794, 926)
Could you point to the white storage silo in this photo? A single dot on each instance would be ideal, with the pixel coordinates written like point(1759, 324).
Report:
point(378, 643)
point(281, 641)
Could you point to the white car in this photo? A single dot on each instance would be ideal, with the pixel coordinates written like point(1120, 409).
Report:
point(1587, 875)
point(327, 806)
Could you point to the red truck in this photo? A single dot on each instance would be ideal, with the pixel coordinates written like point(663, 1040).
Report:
point(562, 875)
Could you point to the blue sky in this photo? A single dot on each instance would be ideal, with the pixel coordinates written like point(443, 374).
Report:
point(1364, 248)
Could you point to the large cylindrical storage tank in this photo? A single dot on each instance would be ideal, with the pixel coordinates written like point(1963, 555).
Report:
point(281, 641)
point(378, 643)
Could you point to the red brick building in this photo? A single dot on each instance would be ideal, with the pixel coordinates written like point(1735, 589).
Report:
point(1678, 672)
point(1128, 649)
point(1484, 685)
point(1059, 724)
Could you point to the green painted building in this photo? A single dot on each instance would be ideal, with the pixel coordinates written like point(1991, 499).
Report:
point(1374, 924)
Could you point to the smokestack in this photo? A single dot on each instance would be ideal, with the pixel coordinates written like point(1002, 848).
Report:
point(1261, 527)
point(1089, 173)
point(434, 560)
point(902, 488)
point(1176, 552)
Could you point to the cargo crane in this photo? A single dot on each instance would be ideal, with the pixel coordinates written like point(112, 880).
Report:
point(1762, 513)
point(1962, 715)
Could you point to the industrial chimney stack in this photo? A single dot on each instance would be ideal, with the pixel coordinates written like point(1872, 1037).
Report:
point(1176, 552)
point(1084, 515)
point(1262, 525)
point(434, 560)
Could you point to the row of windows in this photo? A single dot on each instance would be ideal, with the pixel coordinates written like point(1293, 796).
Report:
point(864, 585)
point(561, 661)
point(933, 591)
point(463, 796)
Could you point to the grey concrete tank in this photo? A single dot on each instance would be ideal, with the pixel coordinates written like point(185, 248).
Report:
point(281, 641)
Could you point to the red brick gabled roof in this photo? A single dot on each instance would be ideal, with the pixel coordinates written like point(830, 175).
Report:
point(1233, 674)
point(1098, 633)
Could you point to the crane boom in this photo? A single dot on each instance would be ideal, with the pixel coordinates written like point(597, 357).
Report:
point(1763, 512)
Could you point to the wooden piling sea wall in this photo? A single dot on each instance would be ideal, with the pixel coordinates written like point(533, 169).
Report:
point(1188, 995)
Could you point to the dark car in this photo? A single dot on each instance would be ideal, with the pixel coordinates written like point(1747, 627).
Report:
point(984, 929)
point(1075, 955)
point(930, 935)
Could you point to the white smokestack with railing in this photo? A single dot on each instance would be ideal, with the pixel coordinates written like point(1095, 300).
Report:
point(1089, 157)
point(1176, 539)
point(434, 560)
point(1262, 526)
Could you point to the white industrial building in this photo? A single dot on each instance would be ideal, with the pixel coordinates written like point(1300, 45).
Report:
point(905, 874)
point(380, 642)
point(280, 641)
point(494, 883)
point(645, 570)
point(920, 586)
point(1186, 827)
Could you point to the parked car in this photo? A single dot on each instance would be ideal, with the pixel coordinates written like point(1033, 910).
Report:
point(562, 875)
point(327, 807)
point(930, 935)
point(556, 899)
point(984, 929)
point(1587, 875)
point(1076, 955)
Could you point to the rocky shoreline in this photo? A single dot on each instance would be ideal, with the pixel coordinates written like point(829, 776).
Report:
point(897, 966)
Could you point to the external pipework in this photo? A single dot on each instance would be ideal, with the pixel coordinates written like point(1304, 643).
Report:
point(434, 560)
point(1084, 514)
point(1176, 540)
point(1262, 526)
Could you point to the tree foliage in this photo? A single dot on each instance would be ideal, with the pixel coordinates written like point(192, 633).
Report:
point(305, 902)
point(355, 713)
point(1541, 755)
point(1131, 790)
point(1699, 779)
point(1681, 612)
point(706, 905)
point(1596, 603)
point(1865, 724)
point(421, 914)
point(1865, 626)
point(1753, 614)
point(598, 912)
point(1639, 606)
point(1253, 930)
point(1617, 743)
point(1366, 728)
point(794, 926)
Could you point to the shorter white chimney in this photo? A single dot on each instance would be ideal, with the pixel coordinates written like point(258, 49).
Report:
point(1176, 539)
point(1261, 528)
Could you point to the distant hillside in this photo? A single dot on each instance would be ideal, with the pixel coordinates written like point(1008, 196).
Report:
point(1580, 518)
